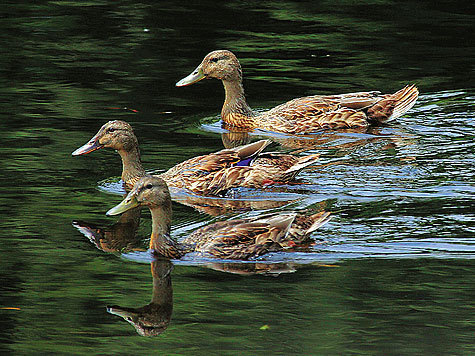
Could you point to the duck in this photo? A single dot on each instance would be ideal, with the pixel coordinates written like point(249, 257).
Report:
point(303, 115)
point(213, 174)
point(241, 238)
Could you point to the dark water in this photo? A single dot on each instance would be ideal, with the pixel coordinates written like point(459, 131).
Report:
point(391, 274)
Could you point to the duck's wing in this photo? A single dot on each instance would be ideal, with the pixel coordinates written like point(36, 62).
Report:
point(243, 166)
point(242, 238)
point(209, 173)
point(353, 110)
point(265, 169)
point(311, 113)
point(355, 101)
point(281, 167)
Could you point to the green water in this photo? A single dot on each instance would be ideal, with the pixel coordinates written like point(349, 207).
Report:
point(391, 274)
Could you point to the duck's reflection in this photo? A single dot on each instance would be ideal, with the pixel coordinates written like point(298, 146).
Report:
point(247, 269)
point(235, 137)
point(343, 139)
point(118, 237)
point(152, 319)
point(222, 206)
point(235, 200)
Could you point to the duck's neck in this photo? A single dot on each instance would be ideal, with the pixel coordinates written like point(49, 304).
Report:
point(161, 242)
point(235, 110)
point(131, 164)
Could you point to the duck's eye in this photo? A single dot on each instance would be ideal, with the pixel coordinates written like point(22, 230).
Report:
point(149, 186)
point(214, 60)
point(110, 129)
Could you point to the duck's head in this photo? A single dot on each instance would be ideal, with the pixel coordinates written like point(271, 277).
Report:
point(149, 320)
point(221, 64)
point(116, 134)
point(150, 191)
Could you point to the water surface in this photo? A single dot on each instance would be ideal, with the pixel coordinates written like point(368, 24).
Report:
point(390, 274)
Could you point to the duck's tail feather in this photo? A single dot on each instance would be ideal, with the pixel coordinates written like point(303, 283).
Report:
point(304, 225)
point(406, 98)
point(393, 105)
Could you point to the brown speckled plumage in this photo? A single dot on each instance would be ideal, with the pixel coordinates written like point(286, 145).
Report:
point(211, 174)
point(301, 115)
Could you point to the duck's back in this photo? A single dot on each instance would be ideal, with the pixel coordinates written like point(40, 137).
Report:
point(352, 110)
point(306, 114)
point(241, 238)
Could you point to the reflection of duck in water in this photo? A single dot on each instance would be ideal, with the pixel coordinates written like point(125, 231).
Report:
point(249, 269)
point(153, 318)
point(215, 206)
point(339, 142)
point(231, 239)
point(120, 237)
point(301, 115)
point(235, 138)
point(212, 174)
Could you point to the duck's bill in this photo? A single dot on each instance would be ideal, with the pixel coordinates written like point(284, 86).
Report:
point(194, 77)
point(88, 148)
point(128, 203)
point(119, 311)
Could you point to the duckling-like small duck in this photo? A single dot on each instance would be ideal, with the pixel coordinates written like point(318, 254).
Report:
point(212, 174)
point(301, 115)
point(233, 239)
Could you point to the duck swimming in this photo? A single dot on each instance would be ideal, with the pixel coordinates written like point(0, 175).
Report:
point(302, 115)
point(232, 239)
point(212, 174)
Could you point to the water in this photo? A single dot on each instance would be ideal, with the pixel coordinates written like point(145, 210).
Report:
point(391, 273)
